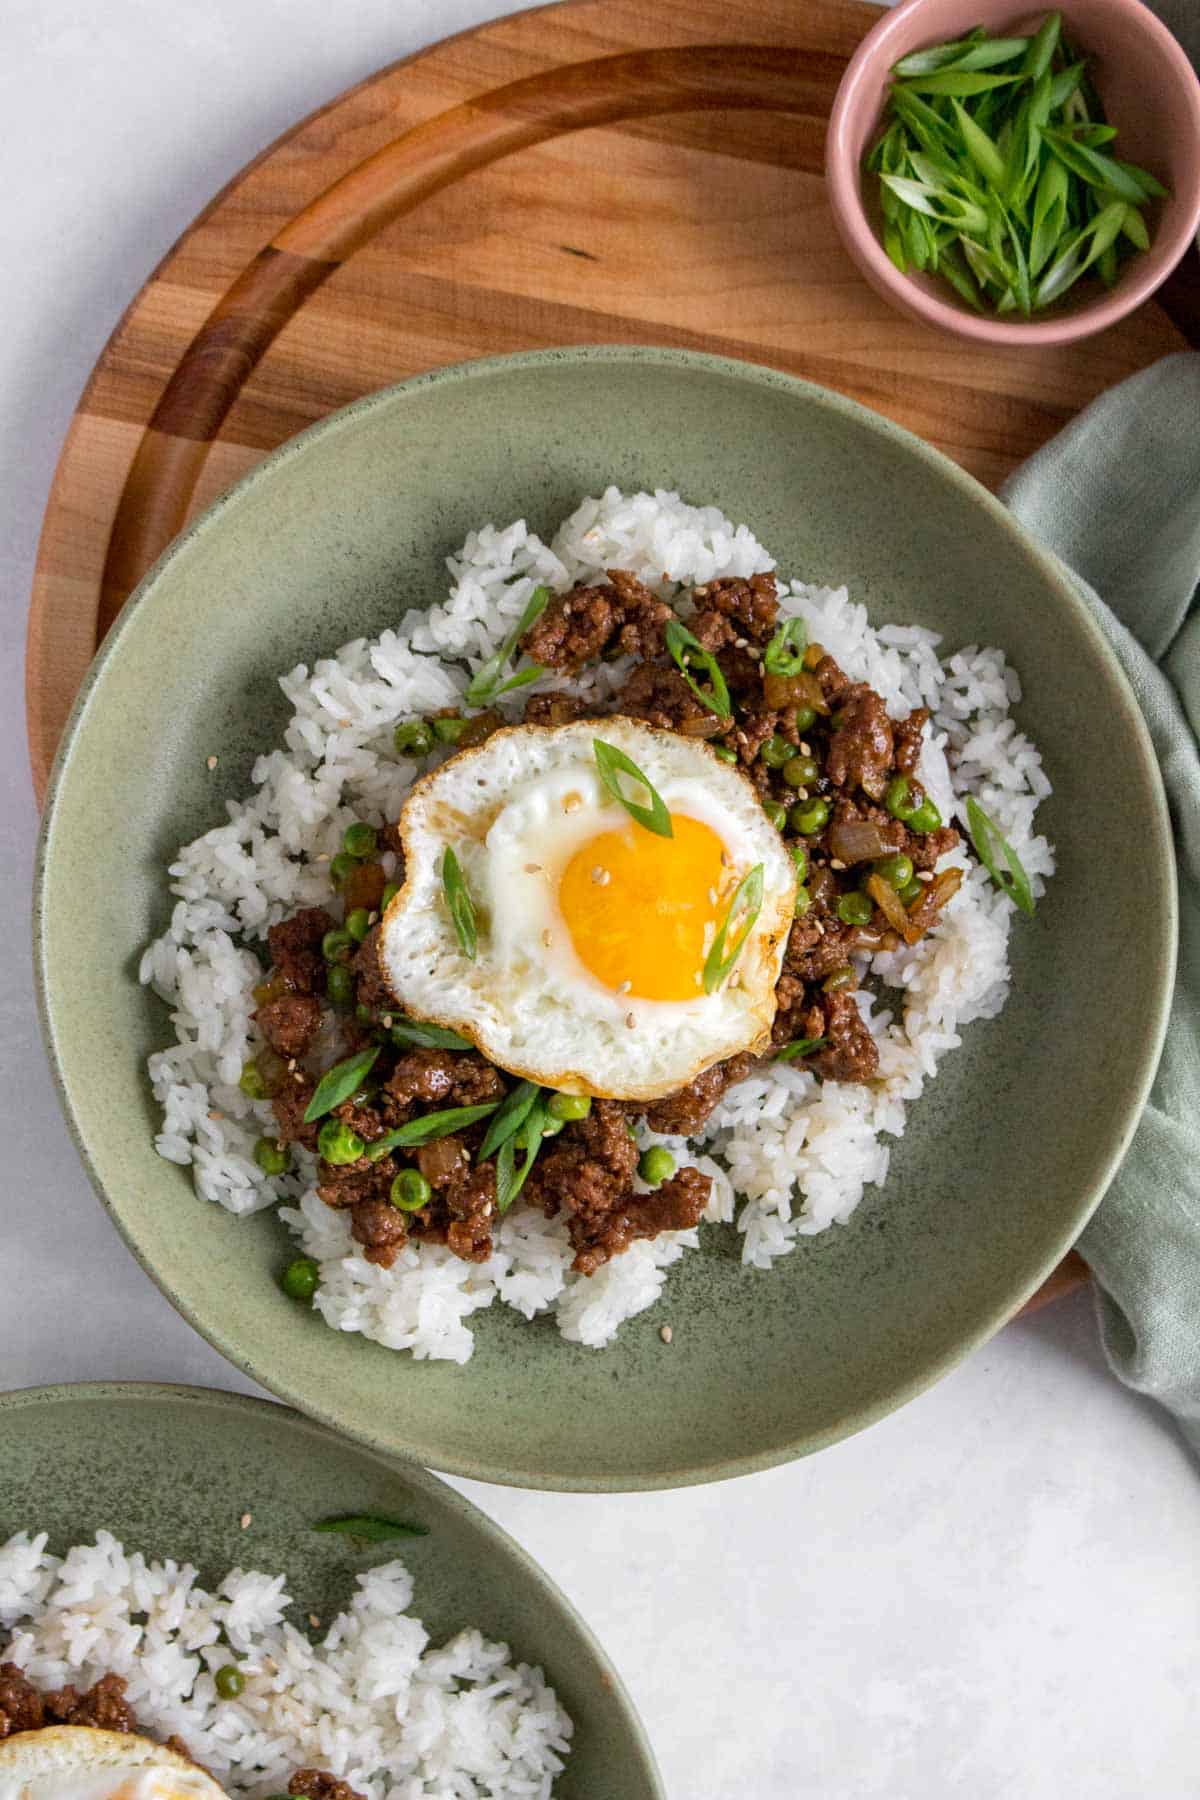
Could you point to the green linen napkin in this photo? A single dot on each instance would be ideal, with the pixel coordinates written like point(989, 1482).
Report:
point(1116, 496)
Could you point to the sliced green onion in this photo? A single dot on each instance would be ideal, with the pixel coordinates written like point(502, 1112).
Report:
point(743, 912)
point(784, 655)
point(615, 765)
point(425, 1130)
point(337, 1084)
point(800, 1047)
point(416, 1032)
point(510, 1117)
point(686, 650)
point(527, 1138)
point(459, 901)
point(966, 53)
point(990, 845)
point(372, 1528)
point(486, 684)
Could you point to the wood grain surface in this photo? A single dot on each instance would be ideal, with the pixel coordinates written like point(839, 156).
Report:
point(597, 171)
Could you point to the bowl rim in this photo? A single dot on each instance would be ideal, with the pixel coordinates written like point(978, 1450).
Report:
point(863, 245)
point(495, 1541)
point(1153, 1019)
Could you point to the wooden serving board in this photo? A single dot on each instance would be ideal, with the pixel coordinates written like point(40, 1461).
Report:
point(597, 171)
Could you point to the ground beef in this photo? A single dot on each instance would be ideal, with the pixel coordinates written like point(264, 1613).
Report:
point(733, 611)
point(471, 1204)
point(289, 1103)
point(677, 1205)
point(316, 1784)
point(661, 697)
point(684, 1114)
point(444, 1161)
point(851, 1054)
point(908, 734)
point(21, 1706)
point(860, 750)
point(371, 990)
point(380, 1228)
point(815, 948)
point(295, 947)
point(103, 1706)
point(926, 852)
point(590, 622)
point(290, 1023)
point(592, 1162)
point(554, 709)
point(444, 1077)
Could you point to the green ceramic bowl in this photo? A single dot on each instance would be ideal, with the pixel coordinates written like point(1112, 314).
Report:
point(1004, 1158)
point(173, 1470)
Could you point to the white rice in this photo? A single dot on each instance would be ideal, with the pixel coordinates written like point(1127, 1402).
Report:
point(370, 1700)
point(797, 1153)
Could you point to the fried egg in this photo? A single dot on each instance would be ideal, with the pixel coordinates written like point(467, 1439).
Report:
point(592, 930)
point(77, 1762)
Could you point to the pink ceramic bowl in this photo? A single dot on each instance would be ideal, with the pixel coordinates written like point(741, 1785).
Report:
point(1150, 93)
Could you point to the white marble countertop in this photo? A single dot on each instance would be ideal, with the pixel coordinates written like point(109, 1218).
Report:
point(993, 1594)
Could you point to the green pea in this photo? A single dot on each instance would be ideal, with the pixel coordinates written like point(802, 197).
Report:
point(271, 1156)
point(448, 731)
point(776, 813)
point(301, 1278)
point(806, 718)
point(251, 1082)
point(358, 923)
point(389, 894)
point(803, 900)
point(339, 985)
point(927, 818)
point(801, 771)
point(725, 754)
point(809, 817)
point(413, 739)
point(855, 909)
point(912, 891)
point(776, 751)
point(410, 1191)
point(336, 945)
point(359, 840)
point(896, 870)
point(569, 1106)
point(656, 1165)
point(340, 867)
point(338, 1143)
point(839, 979)
point(799, 855)
point(898, 798)
point(229, 1681)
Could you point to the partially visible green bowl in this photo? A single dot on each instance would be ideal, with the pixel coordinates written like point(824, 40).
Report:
point(173, 1471)
point(1004, 1158)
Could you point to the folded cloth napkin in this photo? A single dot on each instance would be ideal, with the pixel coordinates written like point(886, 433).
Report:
point(1116, 496)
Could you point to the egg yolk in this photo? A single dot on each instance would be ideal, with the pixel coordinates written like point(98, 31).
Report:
point(641, 909)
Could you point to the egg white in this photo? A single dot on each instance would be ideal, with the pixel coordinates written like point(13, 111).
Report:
point(78, 1762)
point(515, 810)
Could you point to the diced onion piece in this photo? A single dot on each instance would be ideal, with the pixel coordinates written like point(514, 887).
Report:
point(856, 840)
point(889, 903)
point(794, 690)
point(940, 891)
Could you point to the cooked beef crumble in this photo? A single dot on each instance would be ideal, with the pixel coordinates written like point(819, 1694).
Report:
point(828, 763)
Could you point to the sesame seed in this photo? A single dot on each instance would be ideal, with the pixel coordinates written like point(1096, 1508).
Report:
point(724, 859)
point(835, 863)
point(712, 896)
point(533, 868)
point(665, 1333)
point(924, 874)
point(625, 987)
point(572, 802)
point(372, 918)
point(741, 644)
point(323, 856)
point(216, 1115)
point(601, 877)
point(547, 938)
point(386, 1021)
point(735, 980)
point(210, 762)
point(313, 1620)
point(630, 1021)
point(805, 747)
point(245, 1521)
point(291, 1062)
